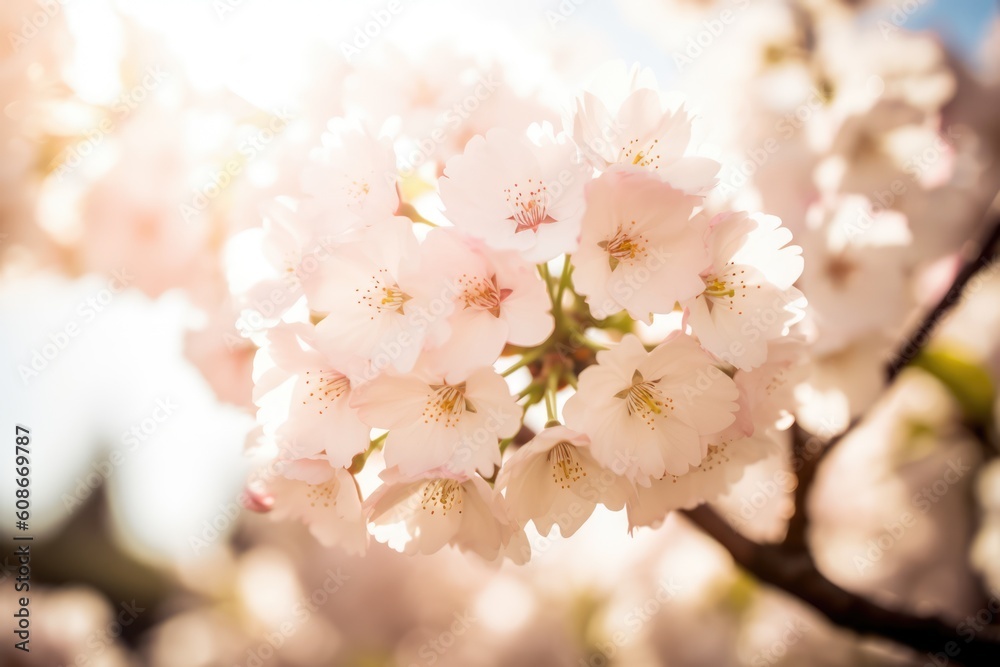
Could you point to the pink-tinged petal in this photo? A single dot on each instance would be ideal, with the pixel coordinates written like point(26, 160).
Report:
point(592, 122)
point(639, 248)
point(527, 308)
point(642, 134)
point(511, 193)
point(696, 175)
point(477, 339)
point(391, 402)
point(528, 488)
point(482, 532)
point(654, 421)
point(767, 249)
point(491, 396)
point(329, 504)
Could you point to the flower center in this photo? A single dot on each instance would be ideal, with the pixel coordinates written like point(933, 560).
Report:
point(528, 208)
point(716, 287)
point(446, 404)
point(358, 190)
point(622, 246)
point(326, 386)
point(642, 398)
point(485, 294)
point(725, 289)
point(383, 295)
point(442, 495)
point(565, 468)
point(639, 154)
point(324, 494)
point(393, 298)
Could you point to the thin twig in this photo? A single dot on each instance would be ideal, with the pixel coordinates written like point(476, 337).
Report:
point(916, 341)
point(790, 566)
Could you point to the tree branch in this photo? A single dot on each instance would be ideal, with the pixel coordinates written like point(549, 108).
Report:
point(796, 573)
point(790, 566)
point(804, 465)
point(916, 341)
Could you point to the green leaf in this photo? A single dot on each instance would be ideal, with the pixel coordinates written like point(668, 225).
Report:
point(964, 377)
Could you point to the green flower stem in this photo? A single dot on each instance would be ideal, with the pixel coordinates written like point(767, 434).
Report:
point(527, 358)
point(358, 462)
point(543, 271)
point(530, 390)
point(561, 289)
point(586, 342)
point(407, 210)
point(551, 386)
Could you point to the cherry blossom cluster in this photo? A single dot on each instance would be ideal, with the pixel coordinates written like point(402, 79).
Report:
point(561, 321)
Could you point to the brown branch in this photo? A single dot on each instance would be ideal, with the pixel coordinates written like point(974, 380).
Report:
point(790, 566)
point(916, 341)
point(804, 465)
point(796, 573)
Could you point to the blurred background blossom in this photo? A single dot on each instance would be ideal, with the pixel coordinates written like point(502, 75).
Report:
point(141, 141)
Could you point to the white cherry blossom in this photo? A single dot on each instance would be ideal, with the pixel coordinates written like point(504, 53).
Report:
point(555, 480)
point(434, 423)
point(305, 397)
point(516, 194)
point(324, 498)
point(641, 248)
point(498, 299)
point(422, 514)
point(748, 298)
point(646, 413)
point(641, 132)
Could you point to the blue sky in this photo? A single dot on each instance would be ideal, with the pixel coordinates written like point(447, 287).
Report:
point(962, 25)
